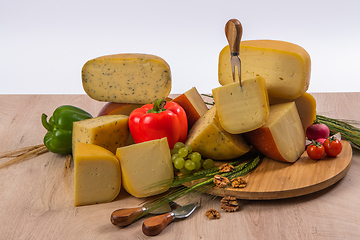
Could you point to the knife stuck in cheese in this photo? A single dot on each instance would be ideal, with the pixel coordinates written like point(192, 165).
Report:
point(242, 109)
point(127, 78)
point(285, 66)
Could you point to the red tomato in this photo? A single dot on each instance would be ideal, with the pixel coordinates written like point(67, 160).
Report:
point(332, 147)
point(315, 150)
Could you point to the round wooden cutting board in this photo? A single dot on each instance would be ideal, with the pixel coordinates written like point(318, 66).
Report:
point(277, 180)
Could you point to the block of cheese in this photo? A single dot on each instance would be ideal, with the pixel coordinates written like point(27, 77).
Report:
point(285, 66)
point(193, 104)
point(97, 175)
point(145, 165)
point(209, 139)
point(282, 138)
point(306, 106)
point(110, 131)
point(127, 78)
point(242, 109)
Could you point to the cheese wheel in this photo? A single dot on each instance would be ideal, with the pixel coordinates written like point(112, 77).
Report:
point(127, 78)
point(285, 66)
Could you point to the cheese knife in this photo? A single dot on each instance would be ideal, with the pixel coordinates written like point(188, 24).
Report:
point(125, 216)
point(155, 225)
point(233, 32)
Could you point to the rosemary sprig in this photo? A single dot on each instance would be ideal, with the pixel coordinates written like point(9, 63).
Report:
point(180, 190)
point(348, 131)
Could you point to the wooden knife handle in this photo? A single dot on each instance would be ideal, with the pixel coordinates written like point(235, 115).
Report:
point(233, 32)
point(155, 225)
point(126, 216)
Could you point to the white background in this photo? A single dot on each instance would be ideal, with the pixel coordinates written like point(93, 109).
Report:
point(44, 44)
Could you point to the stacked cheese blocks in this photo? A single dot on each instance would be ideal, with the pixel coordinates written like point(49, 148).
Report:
point(269, 113)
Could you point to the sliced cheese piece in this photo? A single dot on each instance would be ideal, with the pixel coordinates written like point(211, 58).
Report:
point(209, 139)
point(306, 106)
point(285, 66)
point(193, 104)
point(127, 78)
point(282, 138)
point(97, 175)
point(110, 131)
point(145, 165)
point(242, 109)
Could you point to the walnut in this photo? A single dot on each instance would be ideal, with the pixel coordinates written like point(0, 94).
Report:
point(229, 204)
point(226, 168)
point(238, 182)
point(212, 214)
point(221, 181)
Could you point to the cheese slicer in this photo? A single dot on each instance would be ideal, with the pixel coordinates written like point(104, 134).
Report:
point(125, 216)
point(233, 32)
point(155, 225)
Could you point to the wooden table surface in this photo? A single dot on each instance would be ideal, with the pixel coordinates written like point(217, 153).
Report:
point(37, 194)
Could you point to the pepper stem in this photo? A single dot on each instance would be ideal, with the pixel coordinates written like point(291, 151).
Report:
point(158, 106)
point(45, 123)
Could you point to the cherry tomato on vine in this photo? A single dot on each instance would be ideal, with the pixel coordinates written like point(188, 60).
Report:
point(332, 146)
point(315, 150)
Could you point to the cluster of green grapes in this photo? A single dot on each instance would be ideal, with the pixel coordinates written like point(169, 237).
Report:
point(185, 160)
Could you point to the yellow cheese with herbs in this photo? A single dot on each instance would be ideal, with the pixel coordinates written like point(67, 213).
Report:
point(282, 138)
point(127, 78)
point(97, 175)
point(209, 139)
point(144, 166)
point(110, 131)
point(242, 109)
point(285, 66)
point(306, 107)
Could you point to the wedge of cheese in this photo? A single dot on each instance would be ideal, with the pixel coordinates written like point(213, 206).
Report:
point(97, 175)
point(110, 131)
point(306, 106)
point(145, 166)
point(193, 104)
point(282, 138)
point(242, 109)
point(127, 78)
point(209, 139)
point(285, 66)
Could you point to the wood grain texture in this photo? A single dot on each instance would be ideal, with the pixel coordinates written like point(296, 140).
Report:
point(37, 194)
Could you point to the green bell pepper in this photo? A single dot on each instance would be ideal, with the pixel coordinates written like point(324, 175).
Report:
point(58, 139)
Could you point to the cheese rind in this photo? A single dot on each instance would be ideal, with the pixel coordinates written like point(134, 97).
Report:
point(97, 175)
point(127, 78)
point(209, 139)
point(110, 131)
point(282, 138)
point(242, 109)
point(285, 66)
point(193, 104)
point(306, 106)
point(144, 165)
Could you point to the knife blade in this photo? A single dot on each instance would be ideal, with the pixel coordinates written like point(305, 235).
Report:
point(155, 225)
point(233, 32)
point(125, 216)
